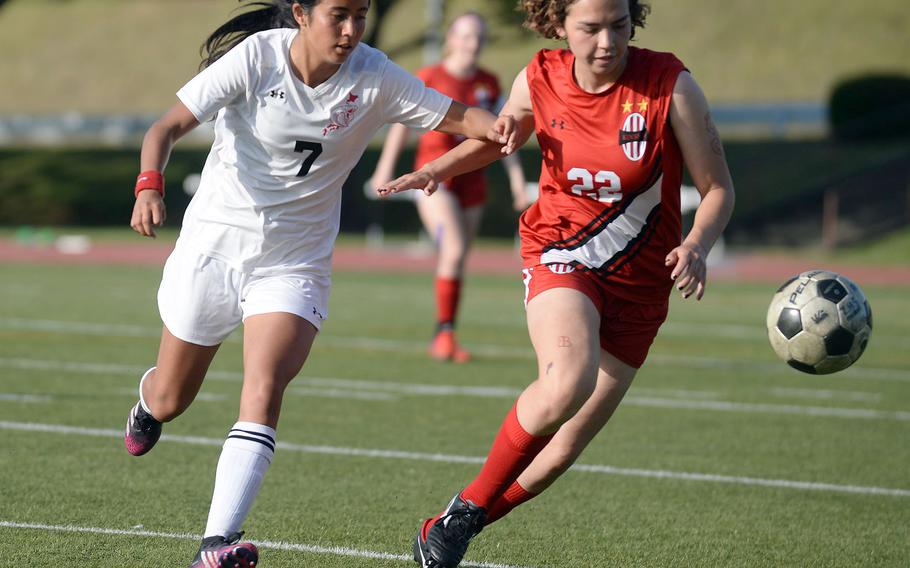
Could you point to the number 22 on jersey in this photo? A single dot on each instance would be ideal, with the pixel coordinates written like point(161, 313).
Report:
point(608, 188)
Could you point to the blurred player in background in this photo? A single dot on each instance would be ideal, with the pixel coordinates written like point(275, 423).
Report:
point(601, 247)
point(452, 216)
point(295, 98)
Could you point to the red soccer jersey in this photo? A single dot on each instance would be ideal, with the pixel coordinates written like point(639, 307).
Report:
point(611, 174)
point(480, 90)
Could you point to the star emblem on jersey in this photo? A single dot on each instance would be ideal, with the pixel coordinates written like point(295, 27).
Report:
point(342, 114)
point(627, 106)
point(633, 137)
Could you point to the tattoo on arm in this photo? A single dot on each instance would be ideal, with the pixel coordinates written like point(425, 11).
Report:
point(565, 341)
point(549, 366)
point(716, 146)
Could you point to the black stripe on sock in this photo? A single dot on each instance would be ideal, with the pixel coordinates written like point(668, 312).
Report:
point(248, 433)
point(263, 442)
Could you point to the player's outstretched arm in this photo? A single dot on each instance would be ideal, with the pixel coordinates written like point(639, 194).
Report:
point(395, 141)
point(480, 124)
point(704, 156)
point(515, 121)
point(149, 211)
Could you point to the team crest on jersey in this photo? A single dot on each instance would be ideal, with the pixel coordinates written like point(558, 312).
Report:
point(560, 268)
point(633, 138)
point(342, 115)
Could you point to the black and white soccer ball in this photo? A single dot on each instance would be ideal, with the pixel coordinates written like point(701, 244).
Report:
point(819, 322)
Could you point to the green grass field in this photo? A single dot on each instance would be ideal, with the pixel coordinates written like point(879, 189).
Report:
point(711, 460)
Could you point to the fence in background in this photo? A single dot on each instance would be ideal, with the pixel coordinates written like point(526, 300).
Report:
point(773, 120)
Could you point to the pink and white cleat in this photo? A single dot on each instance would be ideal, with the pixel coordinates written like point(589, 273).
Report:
point(226, 552)
point(142, 431)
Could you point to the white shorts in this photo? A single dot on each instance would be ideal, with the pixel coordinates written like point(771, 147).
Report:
point(202, 300)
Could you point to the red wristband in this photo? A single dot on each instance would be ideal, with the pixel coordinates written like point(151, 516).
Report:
point(150, 180)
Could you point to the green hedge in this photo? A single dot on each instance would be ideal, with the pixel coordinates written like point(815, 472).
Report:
point(93, 187)
point(871, 107)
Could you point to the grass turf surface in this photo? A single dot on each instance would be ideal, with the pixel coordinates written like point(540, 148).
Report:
point(711, 400)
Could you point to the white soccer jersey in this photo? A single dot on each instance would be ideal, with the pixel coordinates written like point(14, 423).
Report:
point(270, 196)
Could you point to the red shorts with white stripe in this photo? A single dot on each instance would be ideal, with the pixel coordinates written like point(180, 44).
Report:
point(627, 328)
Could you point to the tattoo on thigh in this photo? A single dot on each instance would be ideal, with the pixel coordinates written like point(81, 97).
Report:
point(549, 366)
point(565, 341)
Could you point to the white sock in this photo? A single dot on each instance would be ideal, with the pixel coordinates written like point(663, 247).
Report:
point(245, 457)
point(145, 375)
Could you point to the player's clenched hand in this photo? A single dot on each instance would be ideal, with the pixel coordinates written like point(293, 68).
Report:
point(148, 213)
point(421, 179)
point(690, 271)
point(505, 132)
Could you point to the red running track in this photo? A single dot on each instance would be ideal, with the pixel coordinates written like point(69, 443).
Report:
point(740, 267)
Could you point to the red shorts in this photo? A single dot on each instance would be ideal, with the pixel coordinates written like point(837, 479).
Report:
point(627, 329)
point(470, 189)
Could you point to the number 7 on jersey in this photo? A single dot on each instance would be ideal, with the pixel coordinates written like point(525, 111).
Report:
point(314, 148)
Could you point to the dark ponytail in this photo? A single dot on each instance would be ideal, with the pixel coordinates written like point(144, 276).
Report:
point(266, 16)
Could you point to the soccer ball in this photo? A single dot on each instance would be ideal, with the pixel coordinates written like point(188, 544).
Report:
point(819, 322)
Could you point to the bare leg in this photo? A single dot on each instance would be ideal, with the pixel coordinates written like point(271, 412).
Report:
point(274, 349)
point(275, 346)
point(564, 327)
point(613, 380)
point(173, 385)
point(451, 227)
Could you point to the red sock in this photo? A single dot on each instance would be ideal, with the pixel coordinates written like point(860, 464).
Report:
point(513, 449)
point(514, 496)
point(448, 292)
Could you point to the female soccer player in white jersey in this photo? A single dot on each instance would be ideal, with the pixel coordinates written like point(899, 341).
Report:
point(295, 99)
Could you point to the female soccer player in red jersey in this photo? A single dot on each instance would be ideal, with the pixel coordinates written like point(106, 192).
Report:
point(295, 98)
point(452, 216)
point(601, 247)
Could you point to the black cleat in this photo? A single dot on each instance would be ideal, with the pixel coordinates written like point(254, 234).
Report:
point(442, 544)
point(226, 552)
point(142, 431)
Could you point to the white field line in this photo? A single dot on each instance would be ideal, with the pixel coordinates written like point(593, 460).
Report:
point(727, 406)
point(203, 396)
point(752, 332)
point(487, 350)
point(341, 393)
point(29, 398)
point(679, 329)
point(276, 545)
point(676, 393)
point(820, 394)
point(379, 390)
point(448, 458)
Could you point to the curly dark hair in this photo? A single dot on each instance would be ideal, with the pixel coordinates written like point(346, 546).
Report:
point(545, 16)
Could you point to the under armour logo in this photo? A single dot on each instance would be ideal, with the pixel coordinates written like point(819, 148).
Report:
point(560, 123)
point(276, 94)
